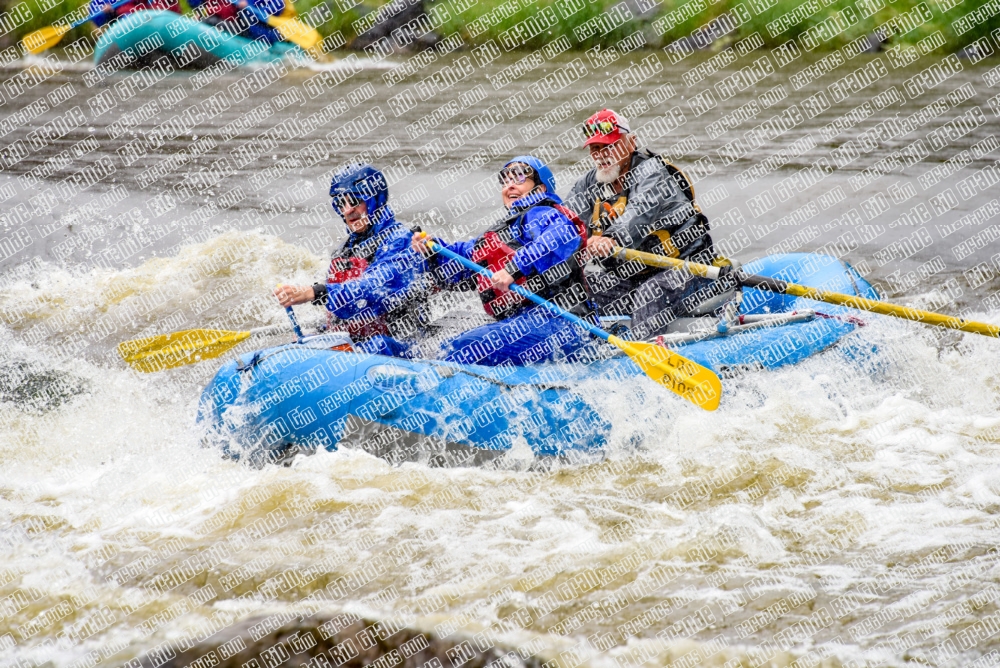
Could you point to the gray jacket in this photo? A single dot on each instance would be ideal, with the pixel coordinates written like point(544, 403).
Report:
point(655, 202)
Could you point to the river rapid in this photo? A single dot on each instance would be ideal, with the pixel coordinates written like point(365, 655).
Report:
point(836, 513)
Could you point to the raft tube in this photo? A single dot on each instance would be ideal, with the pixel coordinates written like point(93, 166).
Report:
point(154, 37)
point(274, 403)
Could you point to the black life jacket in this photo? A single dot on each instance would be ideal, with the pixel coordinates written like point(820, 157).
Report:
point(563, 284)
point(684, 240)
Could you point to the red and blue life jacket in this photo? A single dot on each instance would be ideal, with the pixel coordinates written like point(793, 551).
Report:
point(497, 247)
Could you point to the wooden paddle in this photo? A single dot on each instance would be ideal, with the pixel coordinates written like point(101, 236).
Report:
point(678, 374)
point(785, 288)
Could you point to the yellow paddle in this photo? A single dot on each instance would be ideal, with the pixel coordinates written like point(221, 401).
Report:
point(46, 38)
point(785, 288)
point(169, 351)
point(291, 30)
point(678, 374)
point(298, 33)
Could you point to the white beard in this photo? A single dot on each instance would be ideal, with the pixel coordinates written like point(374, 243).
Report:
point(610, 174)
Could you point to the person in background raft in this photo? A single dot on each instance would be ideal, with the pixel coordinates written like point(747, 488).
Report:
point(635, 199)
point(105, 15)
point(533, 246)
point(227, 15)
point(374, 289)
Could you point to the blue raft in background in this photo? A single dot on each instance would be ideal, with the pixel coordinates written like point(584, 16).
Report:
point(154, 36)
point(301, 397)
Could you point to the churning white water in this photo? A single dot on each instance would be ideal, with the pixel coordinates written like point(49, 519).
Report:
point(842, 510)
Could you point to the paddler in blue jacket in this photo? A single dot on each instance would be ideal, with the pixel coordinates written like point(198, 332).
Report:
point(375, 288)
point(104, 13)
point(535, 246)
point(233, 16)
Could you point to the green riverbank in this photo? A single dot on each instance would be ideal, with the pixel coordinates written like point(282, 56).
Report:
point(941, 26)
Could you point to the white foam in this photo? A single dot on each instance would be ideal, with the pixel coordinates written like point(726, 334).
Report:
point(871, 466)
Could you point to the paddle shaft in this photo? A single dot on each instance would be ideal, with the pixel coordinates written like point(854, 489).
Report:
point(295, 323)
point(268, 330)
point(792, 289)
point(514, 287)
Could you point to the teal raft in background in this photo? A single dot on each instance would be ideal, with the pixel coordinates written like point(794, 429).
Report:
point(149, 37)
point(273, 403)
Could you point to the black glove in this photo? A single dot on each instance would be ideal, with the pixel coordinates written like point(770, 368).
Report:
point(319, 294)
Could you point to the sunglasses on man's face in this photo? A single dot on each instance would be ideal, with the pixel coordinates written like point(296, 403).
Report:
point(516, 175)
point(345, 201)
point(602, 127)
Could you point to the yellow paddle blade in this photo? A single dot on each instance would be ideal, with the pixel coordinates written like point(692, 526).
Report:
point(295, 31)
point(44, 39)
point(678, 374)
point(169, 351)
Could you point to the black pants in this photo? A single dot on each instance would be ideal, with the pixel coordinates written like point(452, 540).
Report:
point(653, 302)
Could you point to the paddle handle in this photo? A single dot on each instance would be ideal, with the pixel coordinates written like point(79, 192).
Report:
point(295, 323)
point(115, 5)
point(653, 260)
point(527, 294)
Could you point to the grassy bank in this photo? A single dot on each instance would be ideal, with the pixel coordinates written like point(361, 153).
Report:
point(832, 25)
point(822, 25)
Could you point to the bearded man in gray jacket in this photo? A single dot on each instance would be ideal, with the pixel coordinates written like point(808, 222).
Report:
point(634, 199)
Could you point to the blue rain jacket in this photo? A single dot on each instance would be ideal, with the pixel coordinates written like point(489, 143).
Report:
point(102, 18)
point(534, 334)
point(547, 238)
point(386, 283)
point(258, 29)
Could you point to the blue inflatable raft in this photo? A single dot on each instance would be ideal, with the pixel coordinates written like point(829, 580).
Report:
point(273, 403)
point(147, 38)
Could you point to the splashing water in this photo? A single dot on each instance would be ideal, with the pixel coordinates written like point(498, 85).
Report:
point(839, 510)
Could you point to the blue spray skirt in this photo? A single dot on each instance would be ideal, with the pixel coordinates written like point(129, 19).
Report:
point(270, 404)
point(159, 36)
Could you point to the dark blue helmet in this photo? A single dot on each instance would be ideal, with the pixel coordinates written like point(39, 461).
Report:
point(363, 182)
point(545, 176)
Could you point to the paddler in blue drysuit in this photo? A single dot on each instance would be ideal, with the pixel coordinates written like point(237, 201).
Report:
point(234, 18)
point(104, 14)
point(534, 246)
point(375, 288)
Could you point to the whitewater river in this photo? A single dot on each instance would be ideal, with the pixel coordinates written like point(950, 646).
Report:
point(834, 513)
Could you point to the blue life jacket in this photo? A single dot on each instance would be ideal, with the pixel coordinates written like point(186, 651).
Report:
point(563, 283)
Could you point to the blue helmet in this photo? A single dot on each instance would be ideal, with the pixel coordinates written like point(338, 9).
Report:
point(545, 175)
point(363, 182)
